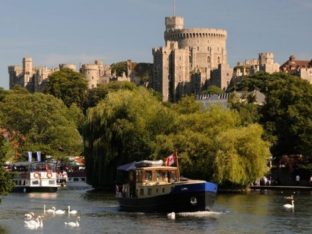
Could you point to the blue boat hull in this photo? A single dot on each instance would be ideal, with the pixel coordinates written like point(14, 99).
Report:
point(183, 198)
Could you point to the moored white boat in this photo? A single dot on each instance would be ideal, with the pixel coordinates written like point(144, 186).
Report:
point(34, 176)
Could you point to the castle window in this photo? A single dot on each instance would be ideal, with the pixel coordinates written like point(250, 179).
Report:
point(208, 59)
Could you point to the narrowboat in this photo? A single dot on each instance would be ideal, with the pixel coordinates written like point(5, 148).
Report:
point(150, 186)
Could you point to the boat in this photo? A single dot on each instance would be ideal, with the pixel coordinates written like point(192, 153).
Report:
point(32, 176)
point(150, 186)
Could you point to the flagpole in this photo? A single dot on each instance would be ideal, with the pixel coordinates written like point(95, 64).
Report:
point(178, 167)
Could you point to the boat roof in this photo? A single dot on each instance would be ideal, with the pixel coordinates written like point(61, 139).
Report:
point(144, 165)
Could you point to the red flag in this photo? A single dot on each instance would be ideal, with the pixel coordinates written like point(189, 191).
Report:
point(171, 159)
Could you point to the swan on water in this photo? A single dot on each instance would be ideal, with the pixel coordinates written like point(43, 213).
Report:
point(171, 215)
point(73, 212)
point(29, 216)
point(60, 212)
point(73, 224)
point(289, 206)
point(51, 211)
point(34, 223)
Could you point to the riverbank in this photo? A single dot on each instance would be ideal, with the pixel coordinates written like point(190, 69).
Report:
point(277, 187)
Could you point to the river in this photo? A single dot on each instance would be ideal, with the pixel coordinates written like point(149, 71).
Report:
point(255, 212)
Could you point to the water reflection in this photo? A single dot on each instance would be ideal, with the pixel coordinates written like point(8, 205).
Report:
point(43, 195)
point(99, 212)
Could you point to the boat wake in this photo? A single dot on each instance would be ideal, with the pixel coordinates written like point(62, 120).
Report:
point(201, 214)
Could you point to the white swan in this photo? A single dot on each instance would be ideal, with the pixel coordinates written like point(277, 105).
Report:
point(51, 211)
point(171, 215)
point(29, 216)
point(73, 224)
point(73, 212)
point(34, 223)
point(289, 206)
point(60, 212)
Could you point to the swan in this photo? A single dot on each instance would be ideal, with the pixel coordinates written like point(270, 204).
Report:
point(51, 211)
point(73, 224)
point(29, 216)
point(34, 224)
point(73, 212)
point(290, 206)
point(60, 212)
point(171, 215)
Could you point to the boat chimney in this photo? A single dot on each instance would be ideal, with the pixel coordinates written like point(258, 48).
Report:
point(38, 156)
point(29, 156)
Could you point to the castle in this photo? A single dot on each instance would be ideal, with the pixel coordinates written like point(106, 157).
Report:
point(190, 59)
point(34, 78)
point(264, 63)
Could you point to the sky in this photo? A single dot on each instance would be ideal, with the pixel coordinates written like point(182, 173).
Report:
point(80, 31)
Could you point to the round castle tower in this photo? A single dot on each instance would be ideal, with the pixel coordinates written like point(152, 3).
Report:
point(207, 45)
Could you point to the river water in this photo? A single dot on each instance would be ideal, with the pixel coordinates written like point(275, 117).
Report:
point(256, 212)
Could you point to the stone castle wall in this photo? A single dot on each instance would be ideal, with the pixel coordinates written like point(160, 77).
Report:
point(185, 64)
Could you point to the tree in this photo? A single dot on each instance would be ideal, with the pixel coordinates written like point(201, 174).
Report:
point(133, 125)
point(6, 145)
point(212, 89)
point(206, 140)
point(286, 115)
point(69, 86)
point(44, 121)
point(119, 130)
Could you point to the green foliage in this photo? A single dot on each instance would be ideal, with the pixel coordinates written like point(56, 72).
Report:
point(46, 123)
point(242, 155)
point(212, 89)
point(248, 112)
point(187, 105)
point(134, 125)
point(6, 184)
point(286, 115)
point(120, 129)
point(69, 86)
point(95, 95)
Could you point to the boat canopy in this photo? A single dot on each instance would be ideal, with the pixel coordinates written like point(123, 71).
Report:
point(127, 167)
point(143, 163)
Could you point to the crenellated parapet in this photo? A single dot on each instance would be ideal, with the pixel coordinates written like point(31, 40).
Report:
point(195, 33)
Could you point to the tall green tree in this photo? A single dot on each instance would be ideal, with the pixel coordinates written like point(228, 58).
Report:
point(69, 86)
point(119, 130)
point(44, 121)
point(286, 115)
point(135, 125)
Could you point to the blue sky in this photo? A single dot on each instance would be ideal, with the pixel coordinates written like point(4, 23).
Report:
point(80, 31)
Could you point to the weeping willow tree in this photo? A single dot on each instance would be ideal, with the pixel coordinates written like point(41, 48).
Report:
point(242, 155)
point(213, 145)
point(133, 125)
point(121, 129)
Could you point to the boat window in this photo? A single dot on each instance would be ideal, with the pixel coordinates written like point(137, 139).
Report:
point(161, 176)
point(172, 176)
point(139, 176)
point(149, 191)
point(141, 192)
point(148, 176)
